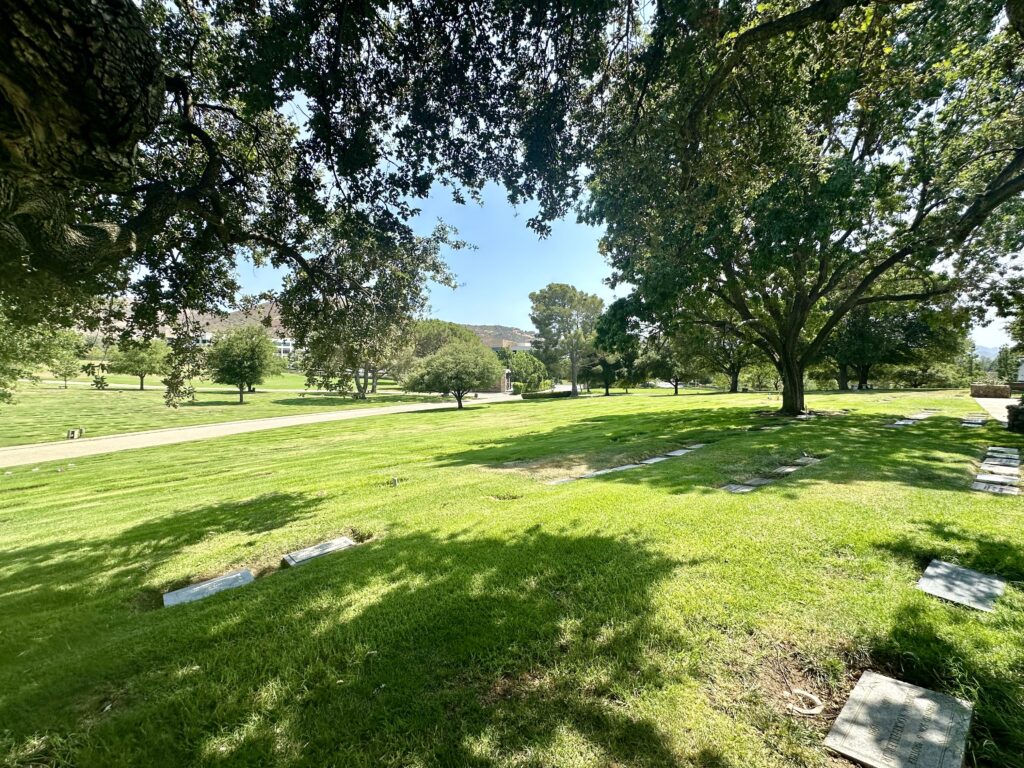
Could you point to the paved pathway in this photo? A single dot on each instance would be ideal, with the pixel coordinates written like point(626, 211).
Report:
point(75, 449)
point(996, 405)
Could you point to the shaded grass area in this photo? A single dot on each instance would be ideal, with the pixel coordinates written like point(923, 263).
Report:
point(642, 619)
point(44, 413)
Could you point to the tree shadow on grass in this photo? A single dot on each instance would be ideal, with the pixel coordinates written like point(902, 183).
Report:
point(944, 647)
point(64, 573)
point(858, 446)
point(411, 650)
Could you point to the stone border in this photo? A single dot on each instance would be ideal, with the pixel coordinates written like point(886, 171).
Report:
point(999, 472)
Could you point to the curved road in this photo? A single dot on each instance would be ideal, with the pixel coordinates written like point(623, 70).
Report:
point(75, 449)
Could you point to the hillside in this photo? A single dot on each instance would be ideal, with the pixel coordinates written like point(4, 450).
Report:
point(501, 335)
point(490, 335)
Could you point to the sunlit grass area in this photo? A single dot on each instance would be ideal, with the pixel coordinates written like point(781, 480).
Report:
point(286, 380)
point(42, 413)
point(643, 618)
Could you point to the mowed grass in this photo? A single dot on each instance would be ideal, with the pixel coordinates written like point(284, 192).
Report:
point(43, 413)
point(287, 380)
point(637, 619)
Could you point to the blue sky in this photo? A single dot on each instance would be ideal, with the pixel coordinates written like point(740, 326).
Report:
point(510, 261)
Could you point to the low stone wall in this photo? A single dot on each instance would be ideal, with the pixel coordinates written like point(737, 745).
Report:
point(990, 390)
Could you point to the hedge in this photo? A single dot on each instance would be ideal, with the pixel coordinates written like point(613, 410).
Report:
point(1015, 418)
point(546, 395)
point(990, 390)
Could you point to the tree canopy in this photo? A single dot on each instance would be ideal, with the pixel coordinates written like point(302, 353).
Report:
point(766, 170)
point(457, 368)
point(566, 320)
point(139, 358)
point(242, 357)
point(144, 148)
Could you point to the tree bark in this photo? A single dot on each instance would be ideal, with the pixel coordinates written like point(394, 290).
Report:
point(675, 386)
point(572, 374)
point(791, 370)
point(373, 386)
point(458, 399)
point(862, 376)
point(734, 380)
point(844, 377)
point(241, 393)
point(142, 383)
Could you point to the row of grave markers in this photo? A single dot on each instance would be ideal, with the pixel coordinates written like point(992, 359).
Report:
point(637, 465)
point(756, 482)
point(240, 578)
point(911, 420)
point(1000, 471)
point(888, 723)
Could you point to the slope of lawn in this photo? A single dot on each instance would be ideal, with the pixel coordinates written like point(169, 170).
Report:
point(43, 413)
point(643, 618)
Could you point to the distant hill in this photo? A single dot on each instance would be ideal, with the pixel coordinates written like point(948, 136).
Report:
point(491, 335)
point(501, 335)
point(987, 352)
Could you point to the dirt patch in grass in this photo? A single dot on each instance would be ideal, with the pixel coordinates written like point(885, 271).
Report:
point(546, 470)
point(510, 687)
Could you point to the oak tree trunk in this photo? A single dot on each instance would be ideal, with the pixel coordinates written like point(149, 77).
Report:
point(844, 377)
point(791, 371)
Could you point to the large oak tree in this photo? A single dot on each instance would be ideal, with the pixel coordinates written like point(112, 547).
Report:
point(768, 169)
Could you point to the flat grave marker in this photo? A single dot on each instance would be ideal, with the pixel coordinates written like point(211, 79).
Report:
point(887, 723)
point(806, 460)
point(998, 455)
point(971, 424)
point(1003, 461)
point(300, 556)
point(654, 460)
point(1008, 490)
point(680, 452)
point(737, 488)
point(903, 423)
point(1004, 449)
point(758, 481)
point(961, 585)
point(695, 446)
point(786, 469)
point(194, 592)
point(998, 479)
point(998, 469)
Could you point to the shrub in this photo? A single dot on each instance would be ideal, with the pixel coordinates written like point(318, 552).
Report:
point(990, 390)
point(1015, 417)
point(546, 395)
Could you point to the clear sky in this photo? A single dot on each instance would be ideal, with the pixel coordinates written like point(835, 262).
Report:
point(510, 261)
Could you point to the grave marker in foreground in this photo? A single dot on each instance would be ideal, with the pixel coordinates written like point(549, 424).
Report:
point(203, 589)
point(317, 550)
point(891, 724)
point(961, 585)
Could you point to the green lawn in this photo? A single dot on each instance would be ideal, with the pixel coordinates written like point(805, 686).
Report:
point(43, 412)
point(286, 380)
point(643, 618)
